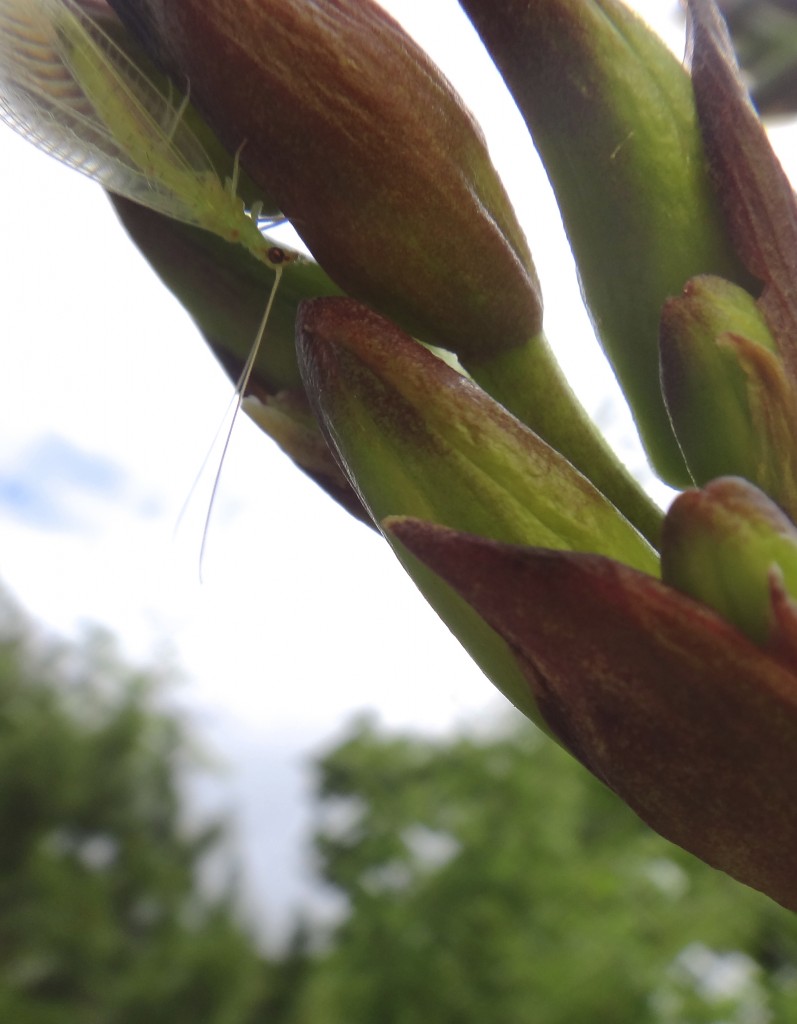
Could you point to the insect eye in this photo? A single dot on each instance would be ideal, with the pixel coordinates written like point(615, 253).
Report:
point(277, 256)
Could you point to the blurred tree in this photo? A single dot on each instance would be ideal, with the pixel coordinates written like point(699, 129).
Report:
point(102, 920)
point(484, 879)
point(765, 35)
point(494, 880)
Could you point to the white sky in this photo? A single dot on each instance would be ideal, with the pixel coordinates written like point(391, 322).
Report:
point(109, 400)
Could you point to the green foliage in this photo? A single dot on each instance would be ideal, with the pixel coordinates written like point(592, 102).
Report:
point(765, 36)
point(102, 920)
point(494, 880)
point(485, 879)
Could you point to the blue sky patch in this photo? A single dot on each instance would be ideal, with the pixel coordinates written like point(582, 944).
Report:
point(45, 484)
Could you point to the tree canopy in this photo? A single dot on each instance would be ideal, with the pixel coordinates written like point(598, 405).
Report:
point(102, 918)
point(494, 879)
point(765, 36)
point(483, 876)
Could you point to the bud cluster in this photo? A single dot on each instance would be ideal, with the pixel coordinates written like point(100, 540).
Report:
point(407, 368)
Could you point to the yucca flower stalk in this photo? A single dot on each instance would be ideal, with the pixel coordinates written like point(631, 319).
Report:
point(407, 369)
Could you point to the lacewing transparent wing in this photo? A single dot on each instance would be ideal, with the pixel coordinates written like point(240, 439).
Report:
point(71, 91)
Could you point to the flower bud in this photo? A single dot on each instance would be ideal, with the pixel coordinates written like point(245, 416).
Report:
point(417, 438)
point(613, 117)
point(367, 149)
point(725, 545)
point(756, 196)
point(732, 405)
point(687, 720)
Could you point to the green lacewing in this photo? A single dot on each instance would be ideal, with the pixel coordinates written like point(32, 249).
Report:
point(68, 88)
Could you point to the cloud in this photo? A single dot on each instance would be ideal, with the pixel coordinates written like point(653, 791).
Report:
point(50, 481)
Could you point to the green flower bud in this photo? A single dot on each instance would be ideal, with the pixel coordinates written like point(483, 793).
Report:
point(730, 400)
point(756, 196)
point(613, 117)
point(417, 438)
point(369, 152)
point(727, 545)
point(529, 383)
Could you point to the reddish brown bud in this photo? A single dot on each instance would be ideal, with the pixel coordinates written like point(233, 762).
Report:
point(367, 149)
